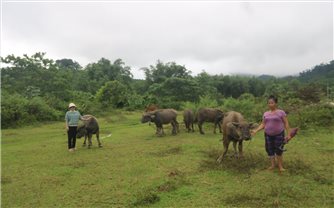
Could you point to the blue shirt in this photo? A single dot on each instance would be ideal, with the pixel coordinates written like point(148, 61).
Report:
point(72, 118)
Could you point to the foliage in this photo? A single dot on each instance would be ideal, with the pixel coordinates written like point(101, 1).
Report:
point(315, 116)
point(161, 72)
point(135, 101)
point(169, 85)
point(247, 106)
point(17, 110)
point(323, 72)
point(114, 94)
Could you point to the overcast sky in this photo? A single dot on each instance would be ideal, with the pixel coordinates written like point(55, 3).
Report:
point(277, 38)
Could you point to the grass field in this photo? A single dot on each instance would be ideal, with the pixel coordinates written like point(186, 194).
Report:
point(136, 168)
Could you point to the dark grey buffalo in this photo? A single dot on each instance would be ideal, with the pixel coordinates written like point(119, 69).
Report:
point(89, 127)
point(161, 117)
point(188, 119)
point(235, 129)
point(209, 115)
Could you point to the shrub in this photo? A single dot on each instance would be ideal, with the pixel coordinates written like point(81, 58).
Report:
point(113, 93)
point(17, 110)
point(314, 115)
point(135, 101)
point(247, 106)
point(13, 111)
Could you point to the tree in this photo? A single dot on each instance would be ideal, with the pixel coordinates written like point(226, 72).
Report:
point(161, 72)
point(113, 93)
point(105, 71)
point(68, 64)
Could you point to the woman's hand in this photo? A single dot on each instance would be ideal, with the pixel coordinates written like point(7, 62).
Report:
point(67, 128)
point(253, 132)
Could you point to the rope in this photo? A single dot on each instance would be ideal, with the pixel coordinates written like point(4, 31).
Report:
point(109, 135)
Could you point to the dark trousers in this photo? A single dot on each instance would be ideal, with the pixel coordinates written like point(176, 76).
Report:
point(273, 144)
point(72, 134)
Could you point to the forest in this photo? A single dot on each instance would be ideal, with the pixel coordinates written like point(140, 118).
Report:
point(35, 89)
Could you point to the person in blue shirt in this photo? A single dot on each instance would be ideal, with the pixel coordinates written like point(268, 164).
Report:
point(72, 118)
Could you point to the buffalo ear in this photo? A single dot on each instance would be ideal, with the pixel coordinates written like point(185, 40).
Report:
point(235, 124)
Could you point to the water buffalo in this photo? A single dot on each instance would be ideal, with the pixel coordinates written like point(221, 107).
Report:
point(235, 129)
point(160, 117)
point(188, 118)
point(87, 129)
point(209, 115)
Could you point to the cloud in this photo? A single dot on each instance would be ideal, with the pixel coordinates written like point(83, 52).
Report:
point(219, 37)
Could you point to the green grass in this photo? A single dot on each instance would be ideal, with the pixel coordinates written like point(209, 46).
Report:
point(137, 168)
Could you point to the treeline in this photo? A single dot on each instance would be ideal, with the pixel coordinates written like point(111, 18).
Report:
point(36, 89)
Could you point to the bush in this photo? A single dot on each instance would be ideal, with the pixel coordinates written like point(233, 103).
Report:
point(113, 93)
point(13, 111)
point(135, 102)
point(38, 110)
point(313, 115)
point(204, 102)
point(17, 110)
point(247, 106)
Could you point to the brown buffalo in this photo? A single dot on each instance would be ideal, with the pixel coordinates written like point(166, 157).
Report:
point(235, 129)
point(188, 118)
point(209, 115)
point(160, 117)
point(89, 127)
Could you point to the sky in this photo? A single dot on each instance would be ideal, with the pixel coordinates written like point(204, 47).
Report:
point(278, 38)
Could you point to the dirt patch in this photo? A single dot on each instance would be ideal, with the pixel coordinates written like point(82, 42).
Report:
point(175, 173)
point(299, 167)
point(167, 186)
point(175, 180)
point(244, 200)
point(5, 180)
point(146, 197)
point(79, 164)
point(242, 165)
point(170, 151)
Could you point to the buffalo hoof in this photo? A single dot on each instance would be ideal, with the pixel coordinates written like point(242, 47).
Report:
point(201, 132)
point(100, 146)
point(84, 145)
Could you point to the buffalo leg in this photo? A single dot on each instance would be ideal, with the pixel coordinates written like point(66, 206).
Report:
point(90, 140)
point(221, 157)
point(173, 127)
point(98, 138)
point(200, 123)
point(187, 126)
point(177, 126)
point(235, 149)
point(162, 130)
point(240, 149)
point(192, 126)
point(84, 144)
point(220, 127)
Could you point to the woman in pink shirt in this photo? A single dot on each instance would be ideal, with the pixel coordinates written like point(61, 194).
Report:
point(274, 122)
